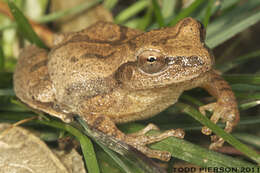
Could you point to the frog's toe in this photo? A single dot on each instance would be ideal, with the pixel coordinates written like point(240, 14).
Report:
point(227, 114)
point(141, 141)
point(157, 154)
point(217, 142)
point(214, 118)
point(145, 130)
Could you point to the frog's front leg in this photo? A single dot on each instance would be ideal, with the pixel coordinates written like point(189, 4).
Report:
point(225, 108)
point(137, 140)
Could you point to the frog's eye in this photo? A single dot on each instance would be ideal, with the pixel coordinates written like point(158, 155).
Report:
point(151, 62)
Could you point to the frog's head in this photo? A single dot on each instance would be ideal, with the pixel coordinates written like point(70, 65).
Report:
point(168, 56)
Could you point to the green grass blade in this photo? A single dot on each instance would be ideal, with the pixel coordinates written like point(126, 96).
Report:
point(186, 12)
point(251, 79)
point(71, 11)
point(241, 11)
point(247, 96)
point(168, 8)
point(6, 79)
point(146, 20)
point(227, 4)
point(107, 164)
point(24, 26)
point(110, 4)
point(220, 132)
point(248, 138)
point(131, 11)
point(224, 67)
point(2, 59)
point(8, 26)
point(245, 87)
point(231, 28)
point(86, 144)
point(132, 155)
point(250, 104)
point(208, 12)
point(197, 155)
point(158, 13)
point(7, 92)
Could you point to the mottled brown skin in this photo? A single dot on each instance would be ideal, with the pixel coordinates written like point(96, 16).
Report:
point(109, 74)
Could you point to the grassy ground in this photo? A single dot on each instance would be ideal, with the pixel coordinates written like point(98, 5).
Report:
point(236, 57)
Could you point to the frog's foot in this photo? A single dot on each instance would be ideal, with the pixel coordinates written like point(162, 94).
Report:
point(227, 113)
point(139, 140)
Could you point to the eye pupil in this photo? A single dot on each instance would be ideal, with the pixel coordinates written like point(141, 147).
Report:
point(151, 59)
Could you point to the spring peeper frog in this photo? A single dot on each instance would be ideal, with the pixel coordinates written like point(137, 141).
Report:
point(110, 74)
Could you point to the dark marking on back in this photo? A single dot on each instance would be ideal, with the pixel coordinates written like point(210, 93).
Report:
point(93, 55)
point(98, 122)
point(217, 78)
point(87, 39)
point(123, 31)
point(39, 65)
point(74, 59)
point(127, 74)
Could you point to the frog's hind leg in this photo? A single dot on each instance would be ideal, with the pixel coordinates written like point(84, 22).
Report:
point(138, 140)
point(32, 84)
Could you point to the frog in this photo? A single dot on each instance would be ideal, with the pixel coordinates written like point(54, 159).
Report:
point(109, 74)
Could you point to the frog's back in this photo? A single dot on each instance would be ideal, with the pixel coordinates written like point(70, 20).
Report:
point(82, 64)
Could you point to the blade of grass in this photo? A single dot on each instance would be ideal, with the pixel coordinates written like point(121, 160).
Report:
point(186, 12)
point(24, 26)
point(158, 13)
point(6, 92)
point(241, 11)
point(133, 23)
point(124, 167)
point(110, 4)
point(220, 132)
point(228, 4)
point(208, 13)
point(168, 8)
point(197, 155)
point(2, 58)
point(250, 79)
point(71, 11)
point(146, 20)
point(113, 155)
point(224, 67)
point(245, 87)
point(248, 95)
point(249, 104)
point(8, 26)
point(248, 138)
point(231, 28)
point(191, 153)
point(131, 11)
point(86, 144)
point(6, 79)
point(107, 164)
point(191, 99)
point(131, 154)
